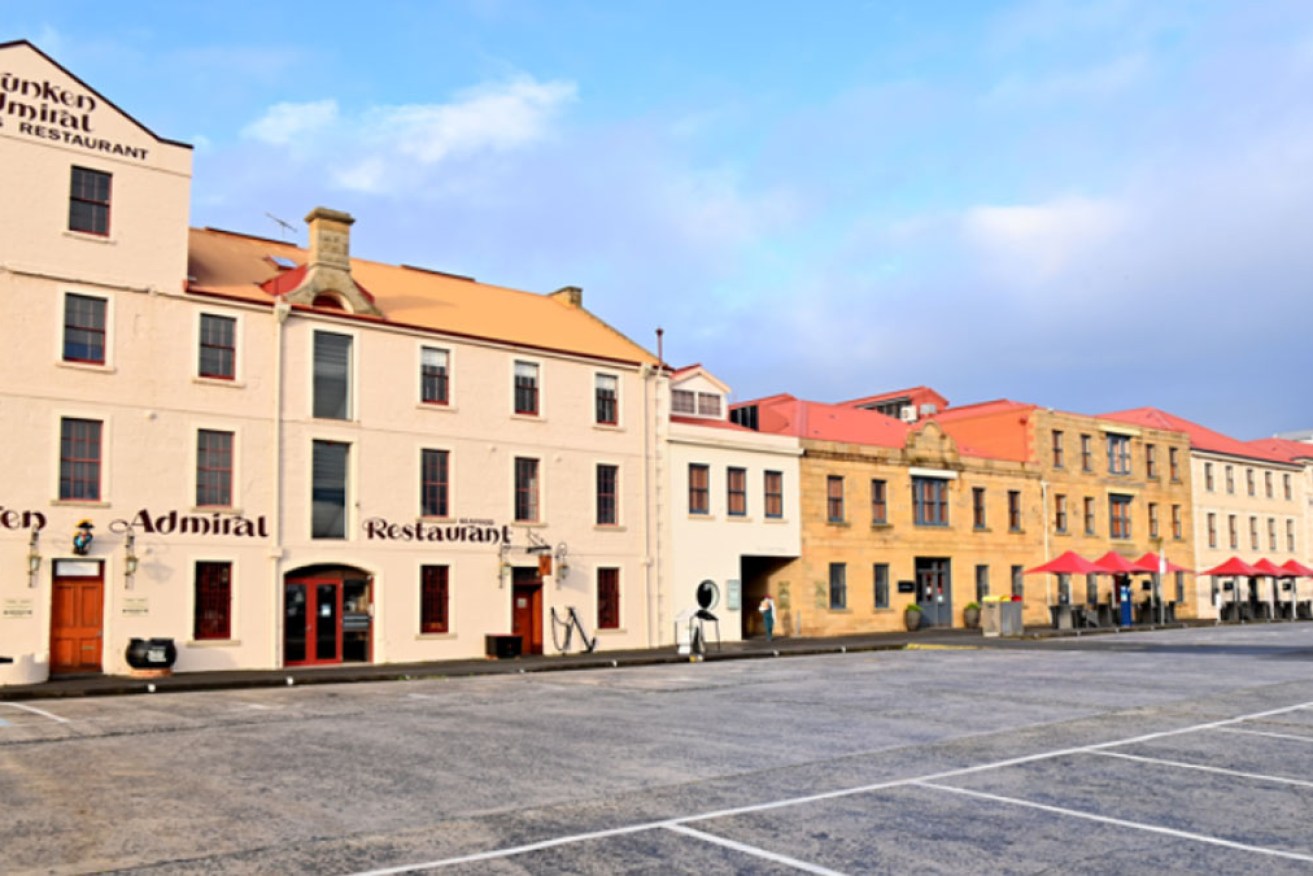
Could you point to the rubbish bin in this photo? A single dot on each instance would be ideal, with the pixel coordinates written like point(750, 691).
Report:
point(151, 653)
point(1003, 618)
point(501, 647)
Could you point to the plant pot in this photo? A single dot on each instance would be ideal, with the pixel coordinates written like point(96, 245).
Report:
point(912, 619)
point(971, 618)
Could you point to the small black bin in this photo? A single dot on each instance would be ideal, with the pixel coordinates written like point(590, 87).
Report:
point(151, 653)
point(502, 647)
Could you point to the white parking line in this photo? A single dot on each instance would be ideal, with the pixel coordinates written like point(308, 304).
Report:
point(1204, 768)
point(848, 792)
point(1267, 733)
point(753, 850)
point(1120, 822)
point(36, 711)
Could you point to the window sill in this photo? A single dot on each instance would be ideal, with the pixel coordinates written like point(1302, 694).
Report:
point(884, 525)
point(91, 237)
point(608, 427)
point(610, 527)
point(696, 515)
point(231, 382)
point(841, 611)
point(213, 643)
point(79, 503)
point(231, 510)
point(843, 523)
point(436, 406)
point(738, 518)
point(434, 637)
point(612, 631)
point(985, 529)
point(94, 367)
point(528, 418)
point(1017, 531)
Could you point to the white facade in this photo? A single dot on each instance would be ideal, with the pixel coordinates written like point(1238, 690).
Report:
point(734, 537)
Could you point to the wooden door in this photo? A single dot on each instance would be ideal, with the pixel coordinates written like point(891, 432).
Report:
point(77, 624)
point(527, 614)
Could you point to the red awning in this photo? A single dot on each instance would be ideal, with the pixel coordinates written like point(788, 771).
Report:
point(1150, 561)
point(1295, 567)
point(1267, 567)
point(1069, 563)
point(1233, 566)
point(1113, 563)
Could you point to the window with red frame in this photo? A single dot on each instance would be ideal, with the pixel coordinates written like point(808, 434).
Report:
point(214, 468)
point(79, 460)
point(736, 488)
point(699, 489)
point(1119, 516)
point(774, 494)
point(526, 389)
point(526, 489)
point(608, 599)
point(435, 482)
point(88, 202)
point(606, 396)
point(607, 478)
point(84, 329)
point(213, 613)
point(218, 354)
point(433, 376)
point(433, 613)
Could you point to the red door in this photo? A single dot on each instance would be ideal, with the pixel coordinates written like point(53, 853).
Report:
point(76, 624)
point(527, 611)
point(312, 631)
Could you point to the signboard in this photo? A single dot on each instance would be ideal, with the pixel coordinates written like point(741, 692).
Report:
point(906, 586)
point(16, 608)
point(136, 606)
point(733, 594)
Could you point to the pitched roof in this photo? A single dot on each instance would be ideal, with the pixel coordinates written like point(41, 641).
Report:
point(917, 395)
point(784, 414)
point(1201, 437)
point(236, 265)
point(1290, 451)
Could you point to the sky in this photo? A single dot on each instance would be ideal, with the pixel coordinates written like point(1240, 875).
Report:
point(1089, 206)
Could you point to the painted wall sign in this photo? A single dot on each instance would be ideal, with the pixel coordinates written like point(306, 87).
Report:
point(464, 530)
point(49, 111)
point(12, 518)
point(174, 523)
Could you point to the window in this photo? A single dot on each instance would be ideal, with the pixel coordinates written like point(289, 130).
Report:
point(328, 489)
point(736, 492)
point(1091, 589)
point(1057, 448)
point(434, 599)
point(435, 483)
point(332, 389)
point(212, 618)
point(1253, 533)
point(978, 508)
point(84, 329)
point(683, 401)
point(708, 404)
point(1233, 531)
point(834, 499)
point(1086, 453)
point(1174, 463)
point(880, 577)
point(1290, 536)
point(1249, 481)
point(606, 390)
point(1019, 581)
point(1177, 528)
point(838, 586)
point(1089, 515)
point(774, 490)
point(879, 502)
point(930, 501)
point(699, 489)
point(1180, 587)
point(1119, 516)
point(214, 469)
point(1267, 484)
point(79, 460)
point(982, 583)
point(88, 202)
point(1064, 589)
point(1271, 533)
point(526, 489)
point(1151, 460)
point(1014, 510)
point(1208, 476)
point(1212, 530)
point(218, 348)
point(1060, 512)
point(526, 389)
point(1119, 455)
point(1153, 520)
point(1230, 479)
point(434, 376)
point(608, 599)
point(1285, 480)
point(607, 478)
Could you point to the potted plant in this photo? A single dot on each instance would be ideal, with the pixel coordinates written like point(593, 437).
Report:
point(912, 617)
point(971, 615)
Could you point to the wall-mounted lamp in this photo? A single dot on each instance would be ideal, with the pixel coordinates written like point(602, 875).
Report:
point(562, 566)
point(33, 556)
point(82, 538)
point(129, 558)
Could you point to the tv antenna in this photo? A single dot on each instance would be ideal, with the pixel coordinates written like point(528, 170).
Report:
point(287, 227)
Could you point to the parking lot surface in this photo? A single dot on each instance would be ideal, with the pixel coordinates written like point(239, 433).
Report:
point(1181, 751)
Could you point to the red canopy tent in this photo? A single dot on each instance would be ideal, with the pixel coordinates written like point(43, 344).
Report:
point(1298, 569)
point(1070, 563)
point(1113, 563)
point(1267, 567)
point(1150, 561)
point(1233, 567)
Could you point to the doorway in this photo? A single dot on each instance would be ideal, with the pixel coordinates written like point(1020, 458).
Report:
point(77, 613)
point(527, 609)
point(328, 617)
point(934, 591)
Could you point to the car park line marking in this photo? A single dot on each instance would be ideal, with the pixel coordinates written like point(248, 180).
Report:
point(837, 794)
point(37, 711)
point(1203, 768)
point(753, 850)
point(1120, 822)
point(1267, 733)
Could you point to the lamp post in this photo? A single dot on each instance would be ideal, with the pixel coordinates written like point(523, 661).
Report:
point(129, 559)
point(33, 557)
point(1158, 581)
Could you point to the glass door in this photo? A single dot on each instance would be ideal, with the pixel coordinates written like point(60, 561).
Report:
point(313, 628)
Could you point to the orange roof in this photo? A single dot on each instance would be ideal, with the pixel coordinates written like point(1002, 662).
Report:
point(917, 395)
point(236, 265)
point(1201, 437)
point(784, 414)
point(1290, 451)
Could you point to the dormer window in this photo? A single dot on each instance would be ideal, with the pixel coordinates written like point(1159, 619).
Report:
point(699, 404)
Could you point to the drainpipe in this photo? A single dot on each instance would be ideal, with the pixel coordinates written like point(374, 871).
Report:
point(1044, 516)
point(645, 373)
point(281, 311)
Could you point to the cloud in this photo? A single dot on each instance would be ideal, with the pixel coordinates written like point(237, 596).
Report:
point(1030, 247)
point(1098, 82)
point(286, 123)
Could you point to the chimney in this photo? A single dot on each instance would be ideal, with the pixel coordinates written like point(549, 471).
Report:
point(573, 296)
point(330, 238)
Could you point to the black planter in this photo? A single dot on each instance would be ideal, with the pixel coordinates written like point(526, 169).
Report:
point(151, 653)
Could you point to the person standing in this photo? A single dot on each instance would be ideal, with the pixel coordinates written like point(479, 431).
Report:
point(767, 609)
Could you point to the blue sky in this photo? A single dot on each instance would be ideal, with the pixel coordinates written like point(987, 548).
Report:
point(1086, 205)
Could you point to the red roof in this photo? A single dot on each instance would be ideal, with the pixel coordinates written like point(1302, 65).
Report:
point(786, 415)
point(710, 423)
point(917, 396)
point(1201, 437)
point(1290, 451)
